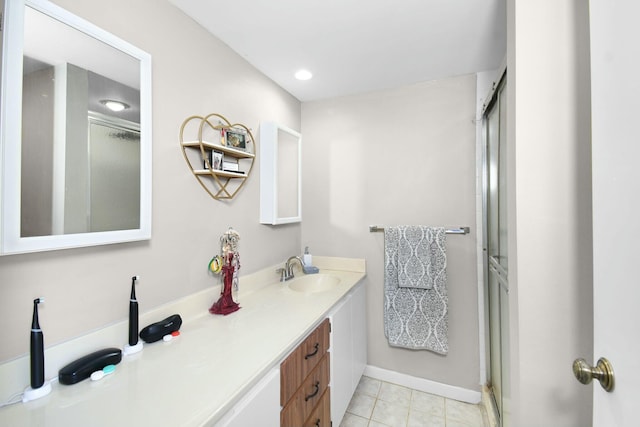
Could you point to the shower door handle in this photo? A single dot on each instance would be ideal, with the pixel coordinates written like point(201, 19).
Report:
point(603, 372)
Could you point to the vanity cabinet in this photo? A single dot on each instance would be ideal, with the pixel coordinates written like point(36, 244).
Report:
point(304, 382)
point(318, 378)
point(348, 349)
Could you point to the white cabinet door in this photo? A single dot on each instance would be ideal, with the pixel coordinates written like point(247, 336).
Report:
point(348, 350)
point(341, 353)
point(259, 407)
point(359, 333)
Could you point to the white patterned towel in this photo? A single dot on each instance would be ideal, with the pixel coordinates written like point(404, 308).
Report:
point(422, 256)
point(414, 318)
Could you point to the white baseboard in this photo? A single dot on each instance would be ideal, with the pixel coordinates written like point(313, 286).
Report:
point(421, 384)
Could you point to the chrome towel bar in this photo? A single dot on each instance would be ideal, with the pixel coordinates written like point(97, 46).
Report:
point(448, 230)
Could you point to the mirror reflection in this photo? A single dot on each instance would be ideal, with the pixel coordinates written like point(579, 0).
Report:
point(80, 160)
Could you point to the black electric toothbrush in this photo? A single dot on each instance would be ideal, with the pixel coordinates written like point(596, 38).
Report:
point(133, 314)
point(134, 345)
point(39, 387)
point(37, 348)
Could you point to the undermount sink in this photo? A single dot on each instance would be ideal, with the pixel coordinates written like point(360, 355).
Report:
point(314, 283)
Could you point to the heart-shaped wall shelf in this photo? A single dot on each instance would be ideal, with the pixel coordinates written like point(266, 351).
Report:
point(220, 154)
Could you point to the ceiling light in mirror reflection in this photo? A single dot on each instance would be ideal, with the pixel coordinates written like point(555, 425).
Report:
point(114, 105)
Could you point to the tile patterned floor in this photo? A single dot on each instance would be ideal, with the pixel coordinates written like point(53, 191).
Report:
point(380, 404)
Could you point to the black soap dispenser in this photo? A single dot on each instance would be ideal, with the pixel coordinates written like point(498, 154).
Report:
point(39, 386)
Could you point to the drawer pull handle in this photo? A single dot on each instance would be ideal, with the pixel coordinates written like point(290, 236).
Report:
point(317, 348)
point(317, 386)
point(318, 422)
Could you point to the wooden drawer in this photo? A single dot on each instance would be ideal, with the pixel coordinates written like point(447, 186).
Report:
point(321, 415)
point(303, 402)
point(302, 360)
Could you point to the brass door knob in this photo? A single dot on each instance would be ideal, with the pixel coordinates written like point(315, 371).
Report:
point(603, 372)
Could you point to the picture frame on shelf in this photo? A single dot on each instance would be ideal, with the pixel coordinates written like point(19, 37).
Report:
point(216, 160)
point(230, 166)
point(236, 140)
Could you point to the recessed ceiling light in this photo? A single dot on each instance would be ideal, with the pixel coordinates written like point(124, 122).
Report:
point(114, 105)
point(303, 75)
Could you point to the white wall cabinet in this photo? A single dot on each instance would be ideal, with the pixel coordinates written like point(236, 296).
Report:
point(348, 349)
point(280, 174)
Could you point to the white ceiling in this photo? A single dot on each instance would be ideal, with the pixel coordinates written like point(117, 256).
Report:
point(355, 46)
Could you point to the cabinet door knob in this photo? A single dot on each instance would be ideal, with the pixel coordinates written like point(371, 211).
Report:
point(603, 372)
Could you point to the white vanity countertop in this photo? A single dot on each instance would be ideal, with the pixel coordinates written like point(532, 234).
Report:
point(197, 377)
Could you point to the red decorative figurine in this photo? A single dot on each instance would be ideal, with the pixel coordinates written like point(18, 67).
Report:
point(228, 264)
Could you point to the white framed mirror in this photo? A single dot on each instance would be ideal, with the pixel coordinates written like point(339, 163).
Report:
point(75, 172)
point(280, 174)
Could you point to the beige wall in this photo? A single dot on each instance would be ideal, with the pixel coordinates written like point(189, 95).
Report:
point(400, 156)
point(193, 73)
point(550, 211)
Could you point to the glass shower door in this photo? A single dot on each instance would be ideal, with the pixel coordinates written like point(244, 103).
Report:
point(497, 250)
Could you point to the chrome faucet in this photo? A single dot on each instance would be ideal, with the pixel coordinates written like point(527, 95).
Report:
point(286, 273)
